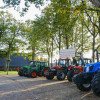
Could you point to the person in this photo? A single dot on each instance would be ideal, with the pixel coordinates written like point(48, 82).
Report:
point(74, 61)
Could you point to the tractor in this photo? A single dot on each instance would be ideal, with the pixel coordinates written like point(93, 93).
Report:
point(90, 78)
point(60, 70)
point(34, 69)
point(78, 68)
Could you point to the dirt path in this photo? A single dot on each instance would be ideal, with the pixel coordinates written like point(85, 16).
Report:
point(23, 88)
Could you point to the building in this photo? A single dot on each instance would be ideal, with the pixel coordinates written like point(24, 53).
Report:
point(16, 61)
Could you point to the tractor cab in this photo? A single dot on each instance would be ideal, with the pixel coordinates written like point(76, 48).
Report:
point(43, 64)
point(81, 63)
point(34, 65)
point(64, 62)
point(84, 61)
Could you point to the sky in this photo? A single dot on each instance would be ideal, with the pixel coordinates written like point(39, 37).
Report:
point(31, 14)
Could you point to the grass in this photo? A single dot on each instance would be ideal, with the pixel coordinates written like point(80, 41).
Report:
point(9, 72)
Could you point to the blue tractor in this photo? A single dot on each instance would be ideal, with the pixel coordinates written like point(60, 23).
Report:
point(89, 78)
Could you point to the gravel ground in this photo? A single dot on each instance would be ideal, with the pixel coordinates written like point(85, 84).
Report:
point(23, 88)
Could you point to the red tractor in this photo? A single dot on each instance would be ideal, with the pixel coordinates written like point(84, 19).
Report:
point(78, 68)
point(59, 70)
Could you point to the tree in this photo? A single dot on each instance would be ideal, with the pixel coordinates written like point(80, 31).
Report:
point(32, 36)
point(12, 32)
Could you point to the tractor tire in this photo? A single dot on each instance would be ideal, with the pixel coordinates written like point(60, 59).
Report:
point(25, 72)
point(96, 84)
point(81, 83)
point(74, 78)
point(61, 75)
point(49, 77)
point(34, 74)
point(44, 72)
point(20, 72)
point(70, 75)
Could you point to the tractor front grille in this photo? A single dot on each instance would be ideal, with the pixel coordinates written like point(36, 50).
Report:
point(76, 69)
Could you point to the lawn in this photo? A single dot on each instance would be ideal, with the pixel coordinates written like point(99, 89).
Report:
point(9, 72)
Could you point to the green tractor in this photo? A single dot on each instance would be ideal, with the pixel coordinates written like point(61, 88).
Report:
point(34, 69)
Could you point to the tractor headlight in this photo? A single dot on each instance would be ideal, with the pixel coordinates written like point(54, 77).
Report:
point(87, 69)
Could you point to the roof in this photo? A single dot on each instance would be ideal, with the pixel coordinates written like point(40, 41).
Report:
point(16, 61)
point(38, 61)
point(64, 58)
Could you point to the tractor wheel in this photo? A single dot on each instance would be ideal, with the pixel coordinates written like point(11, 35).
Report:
point(44, 72)
point(25, 72)
point(81, 85)
point(34, 74)
point(20, 73)
point(96, 84)
point(61, 75)
point(49, 77)
point(70, 75)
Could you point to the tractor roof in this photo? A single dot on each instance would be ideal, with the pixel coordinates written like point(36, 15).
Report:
point(37, 61)
point(86, 58)
point(64, 58)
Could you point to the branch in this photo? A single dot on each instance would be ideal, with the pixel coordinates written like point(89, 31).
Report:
point(91, 19)
point(98, 46)
point(55, 41)
point(88, 29)
point(91, 9)
point(96, 2)
point(78, 47)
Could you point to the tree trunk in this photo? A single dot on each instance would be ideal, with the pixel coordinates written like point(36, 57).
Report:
point(48, 57)
point(48, 53)
point(59, 41)
point(67, 42)
point(5, 68)
point(99, 26)
point(52, 53)
point(33, 53)
point(93, 45)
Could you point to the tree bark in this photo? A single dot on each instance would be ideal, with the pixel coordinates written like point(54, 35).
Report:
point(5, 68)
point(59, 40)
point(33, 53)
point(67, 42)
point(52, 53)
point(48, 53)
point(99, 26)
point(93, 45)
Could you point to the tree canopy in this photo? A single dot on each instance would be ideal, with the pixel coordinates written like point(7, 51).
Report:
point(62, 25)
